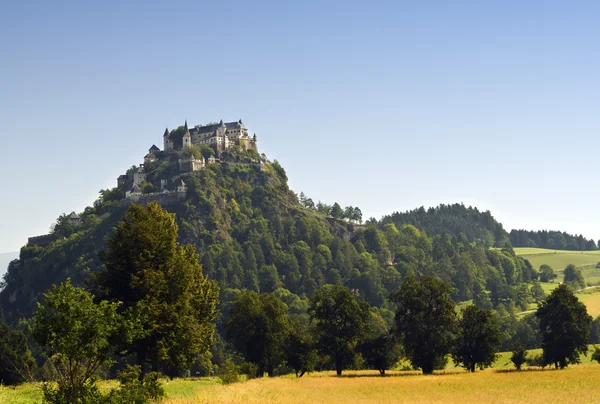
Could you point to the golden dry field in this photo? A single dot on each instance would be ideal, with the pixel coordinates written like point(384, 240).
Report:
point(578, 384)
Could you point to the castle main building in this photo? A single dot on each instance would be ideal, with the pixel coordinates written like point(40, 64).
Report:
point(219, 136)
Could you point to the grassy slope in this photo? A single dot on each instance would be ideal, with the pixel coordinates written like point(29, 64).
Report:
point(557, 259)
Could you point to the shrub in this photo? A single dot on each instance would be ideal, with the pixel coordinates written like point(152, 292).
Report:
point(134, 390)
point(228, 372)
point(519, 357)
point(596, 354)
point(536, 360)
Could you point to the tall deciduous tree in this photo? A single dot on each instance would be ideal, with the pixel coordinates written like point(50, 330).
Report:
point(425, 320)
point(257, 327)
point(478, 339)
point(76, 335)
point(573, 276)
point(382, 352)
point(340, 321)
point(565, 327)
point(16, 363)
point(546, 273)
point(160, 282)
point(300, 349)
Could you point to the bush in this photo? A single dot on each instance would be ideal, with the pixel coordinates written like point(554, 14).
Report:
point(134, 390)
point(519, 357)
point(596, 354)
point(536, 360)
point(228, 372)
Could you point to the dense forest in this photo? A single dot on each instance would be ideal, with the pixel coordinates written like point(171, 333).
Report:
point(454, 219)
point(252, 232)
point(555, 240)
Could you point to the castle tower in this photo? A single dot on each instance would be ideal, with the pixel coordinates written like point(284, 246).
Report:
point(166, 140)
point(186, 141)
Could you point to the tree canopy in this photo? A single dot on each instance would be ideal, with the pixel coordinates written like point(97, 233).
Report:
point(340, 321)
point(564, 326)
point(426, 320)
point(257, 327)
point(478, 339)
point(161, 283)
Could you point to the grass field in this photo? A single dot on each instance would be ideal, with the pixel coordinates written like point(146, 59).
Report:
point(499, 384)
point(558, 260)
point(574, 385)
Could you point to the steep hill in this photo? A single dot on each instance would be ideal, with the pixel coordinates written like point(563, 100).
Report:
point(454, 219)
point(5, 259)
point(251, 232)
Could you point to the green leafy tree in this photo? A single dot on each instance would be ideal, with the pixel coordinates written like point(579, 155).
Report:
point(564, 326)
point(595, 331)
point(596, 354)
point(546, 273)
point(160, 282)
point(336, 211)
point(519, 357)
point(574, 277)
point(340, 321)
point(537, 292)
point(300, 349)
point(425, 320)
point(16, 363)
point(478, 339)
point(382, 352)
point(75, 333)
point(257, 327)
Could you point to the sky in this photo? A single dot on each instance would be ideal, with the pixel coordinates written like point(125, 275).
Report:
point(383, 105)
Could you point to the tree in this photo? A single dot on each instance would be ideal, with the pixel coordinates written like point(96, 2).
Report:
point(160, 282)
point(574, 277)
point(75, 333)
point(596, 354)
point(478, 339)
point(595, 331)
point(564, 326)
point(339, 322)
point(323, 208)
point(546, 273)
point(537, 292)
point(425, 320)
point(382, 352)
point(257, 327)
point(336, 211)
point(300, 349)
point(519, 357)
point(16, 363)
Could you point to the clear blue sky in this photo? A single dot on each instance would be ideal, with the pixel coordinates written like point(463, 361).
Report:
point(383, 105)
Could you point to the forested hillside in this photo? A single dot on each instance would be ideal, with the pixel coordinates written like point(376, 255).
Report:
point(454, 219)
point(555, 240)
point(252, 232)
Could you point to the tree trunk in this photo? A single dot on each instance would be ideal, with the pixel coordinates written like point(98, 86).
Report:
point(563, 363)
point(382, 372)
point(472, 368)
point(270, 370)
point(338, 366)
point(301, 373)
point(427, 368)
point(141, 361)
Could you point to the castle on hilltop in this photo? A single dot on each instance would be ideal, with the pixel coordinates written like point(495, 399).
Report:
point(140, 183)
point(220, 137)
point(160, 178)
